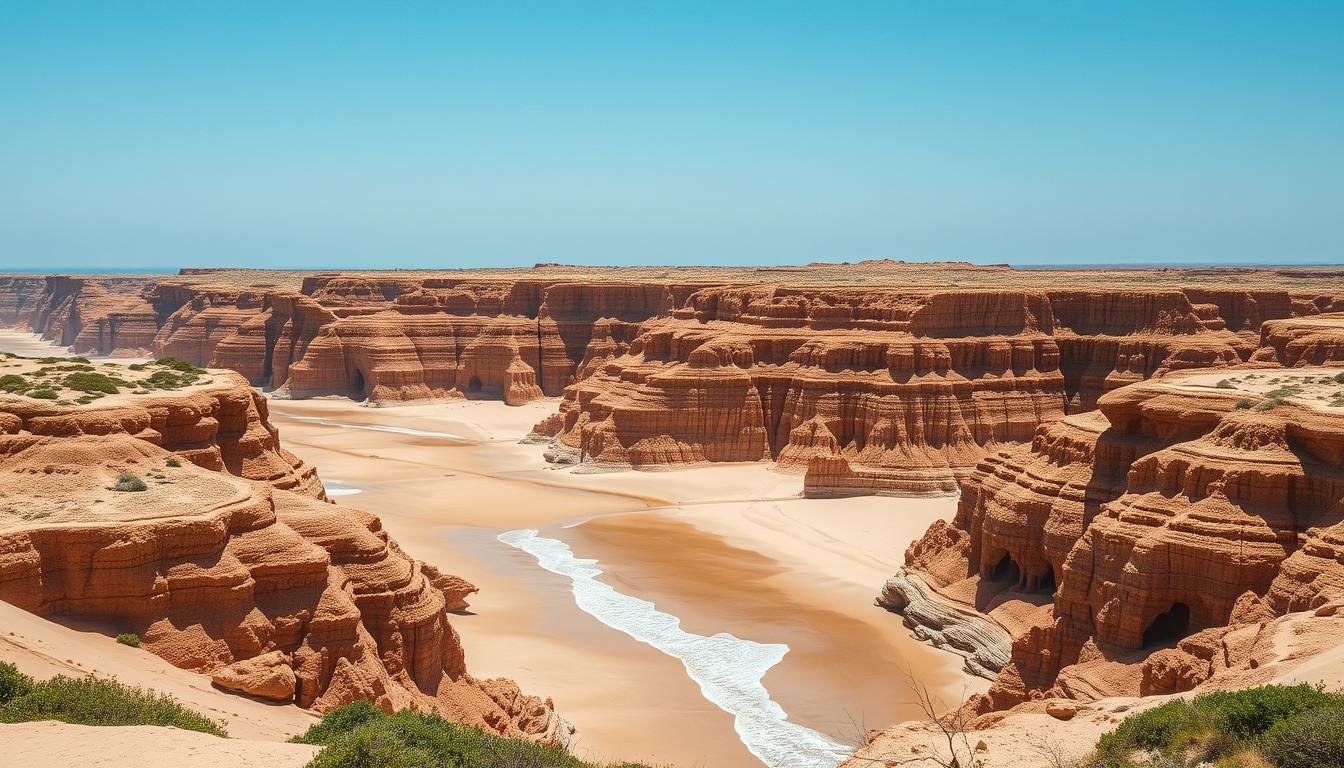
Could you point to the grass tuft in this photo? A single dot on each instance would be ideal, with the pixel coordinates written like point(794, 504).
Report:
point(128, 483)
point(91, 701)
point(360, 735)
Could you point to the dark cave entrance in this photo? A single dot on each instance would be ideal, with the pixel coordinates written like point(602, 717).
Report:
point(359, 381)
point(474, 385)
point(1047, 583)
point(1169, 626)
point(1006, 570)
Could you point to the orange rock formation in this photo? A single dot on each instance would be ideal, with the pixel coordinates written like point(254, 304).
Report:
point(866, 389)
point(1123, 547)
point(230, 563)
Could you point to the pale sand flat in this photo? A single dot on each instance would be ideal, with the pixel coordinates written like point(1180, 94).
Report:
point(46, 743)
point(814, 567)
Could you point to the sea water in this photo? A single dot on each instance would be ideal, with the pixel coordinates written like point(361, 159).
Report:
point(728, 669)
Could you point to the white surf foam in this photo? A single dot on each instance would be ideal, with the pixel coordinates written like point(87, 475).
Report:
point(727, 669)
point(340, 488)
point(377, 427)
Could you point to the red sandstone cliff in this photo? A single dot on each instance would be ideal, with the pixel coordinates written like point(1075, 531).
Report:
point(885, 390)
point(867, 390)
point(91, 315)
point(1185, 507)
point(229, 563)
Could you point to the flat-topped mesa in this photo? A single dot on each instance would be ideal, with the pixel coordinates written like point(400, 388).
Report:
point(271, 592)
point(211, 418)
point(1303, 341)
point(521, 334)
point(1185, 507)
point(887, 391)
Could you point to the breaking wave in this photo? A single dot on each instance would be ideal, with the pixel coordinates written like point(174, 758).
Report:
point(728, 669)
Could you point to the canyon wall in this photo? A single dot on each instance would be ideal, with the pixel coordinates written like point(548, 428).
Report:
point(91, 315)
point(871, 390)
point(865, 390)
point(1122, 548)
point(229, 562)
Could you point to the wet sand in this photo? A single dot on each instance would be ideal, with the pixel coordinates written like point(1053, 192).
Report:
point(724, 548)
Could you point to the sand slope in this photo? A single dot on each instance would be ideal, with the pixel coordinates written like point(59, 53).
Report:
point(47, 743)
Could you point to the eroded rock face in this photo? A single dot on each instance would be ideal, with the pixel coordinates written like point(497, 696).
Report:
point(1183, 507)
point(409, 339)
point(231, 564)
point(91, 315)
point(886, 391)
point(220, 426)
point(865, 390)
point(1303, 341)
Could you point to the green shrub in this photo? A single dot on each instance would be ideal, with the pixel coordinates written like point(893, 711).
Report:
point(13, 683)
point(43, 394)
point(126, 482)
point(14, 384)
point(168, 380)
point(1224, 724)
point(1243, 403)
point(1248, 713)
point(1283, 393)
point(90, 701)
point(94, 382)
point(360, 735)
point(129, 638)
point(339, 721)
point(178, 365)
point(1153, 729)
point(173, 461)
point(52, 360)
point(1339, 378)
point(370, 748)
point(1226, 384)
point(1313, 739)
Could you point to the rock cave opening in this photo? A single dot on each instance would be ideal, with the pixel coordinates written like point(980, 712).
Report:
point(1006, 570)
point(358, 382)
point(1172, 625)
point(474, 385)
point(1046, 583)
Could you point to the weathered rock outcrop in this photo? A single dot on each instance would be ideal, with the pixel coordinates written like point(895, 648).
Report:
point(886, 391)
point(220, 425)
point(1185, 508)
point(393, 339)
point(230, 564)
point(866, 390)
point(1303, 341)
point(91, 315)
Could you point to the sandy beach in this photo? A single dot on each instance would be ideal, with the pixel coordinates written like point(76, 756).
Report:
point(724, 548)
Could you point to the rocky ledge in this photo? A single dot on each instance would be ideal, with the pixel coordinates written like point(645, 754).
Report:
point(177, 516)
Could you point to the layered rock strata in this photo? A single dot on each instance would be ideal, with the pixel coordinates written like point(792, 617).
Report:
point(866, 390)
point(91, 315)
point(1124, 547)
point(230, 564)
point(885, 391)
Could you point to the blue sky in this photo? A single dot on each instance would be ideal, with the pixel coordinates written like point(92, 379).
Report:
point(412, 134)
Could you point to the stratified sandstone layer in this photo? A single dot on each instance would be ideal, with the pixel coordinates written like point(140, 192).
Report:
point(878, 377)
point(886, 391)
point(230, 563)
point(91, 315)
point(1125, 548)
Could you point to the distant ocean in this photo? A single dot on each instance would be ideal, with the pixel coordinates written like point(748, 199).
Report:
point(85, 271)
